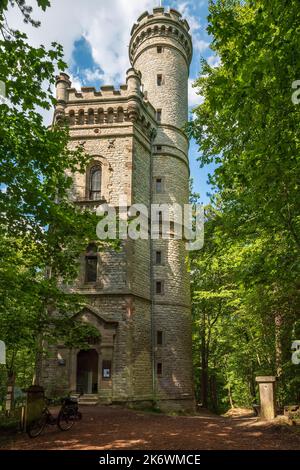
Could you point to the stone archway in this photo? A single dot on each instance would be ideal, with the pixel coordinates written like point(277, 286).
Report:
point(87, 371)
point(82, 371)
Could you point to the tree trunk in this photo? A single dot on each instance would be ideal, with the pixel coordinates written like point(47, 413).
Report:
point(213, 392)
point(9, 403)
point(252, 383)
point(204, 380)
point(204, 363)
point(230, 397)
point(38, 362)
point(278, 344)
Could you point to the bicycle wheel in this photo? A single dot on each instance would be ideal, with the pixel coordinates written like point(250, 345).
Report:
point(36, 427)
point(65, 420)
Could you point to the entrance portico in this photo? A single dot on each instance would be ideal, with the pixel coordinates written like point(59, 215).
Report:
point(91, 370)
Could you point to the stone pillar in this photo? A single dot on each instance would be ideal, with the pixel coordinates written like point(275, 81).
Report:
point(62, 84)
point(133, 80)
point(267, 396)
point(35, 403)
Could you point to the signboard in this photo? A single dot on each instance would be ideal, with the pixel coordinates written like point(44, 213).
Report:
point(106, 373)
point(106, 369)
point(2, 352)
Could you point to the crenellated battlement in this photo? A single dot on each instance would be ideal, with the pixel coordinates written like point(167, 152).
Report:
point(107, 107)
point(79, 114)
point(161, 12)
point(90, 93)
point(163, 25)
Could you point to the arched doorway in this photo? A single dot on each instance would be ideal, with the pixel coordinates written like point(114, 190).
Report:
point(87, 371)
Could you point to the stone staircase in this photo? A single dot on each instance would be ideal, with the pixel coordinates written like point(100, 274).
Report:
point(89, 399)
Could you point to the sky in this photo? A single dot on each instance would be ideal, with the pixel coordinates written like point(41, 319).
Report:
point(95, 36)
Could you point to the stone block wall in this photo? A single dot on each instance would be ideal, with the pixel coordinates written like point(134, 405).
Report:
point(117, 129)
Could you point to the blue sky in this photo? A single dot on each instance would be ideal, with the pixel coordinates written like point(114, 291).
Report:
point(83, 60)
point(95, 36)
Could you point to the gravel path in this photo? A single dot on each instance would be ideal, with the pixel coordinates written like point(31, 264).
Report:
point(111, 427)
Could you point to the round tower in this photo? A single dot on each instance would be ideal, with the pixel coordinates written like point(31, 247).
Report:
point(161, 50)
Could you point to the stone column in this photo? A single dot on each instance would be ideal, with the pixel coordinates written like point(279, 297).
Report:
point(62, 84)
point(133, 80)
point(267, 396)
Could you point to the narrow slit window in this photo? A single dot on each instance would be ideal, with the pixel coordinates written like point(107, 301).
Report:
point(159, 49)
point(160, 224)
point(159, 368)
point(158, 115)
point(158, 185)
point(159, 287)
point(159, 80)
point(172, 229)
point(158, 258)
point(159, 338)
point(91, 263)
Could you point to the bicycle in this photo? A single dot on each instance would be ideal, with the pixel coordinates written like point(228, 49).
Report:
point(68, 414)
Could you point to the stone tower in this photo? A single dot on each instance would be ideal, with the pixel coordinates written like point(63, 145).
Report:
point(139, 297)
point(161, 49)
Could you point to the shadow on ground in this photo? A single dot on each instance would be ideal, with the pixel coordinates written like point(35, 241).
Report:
point(111, 427)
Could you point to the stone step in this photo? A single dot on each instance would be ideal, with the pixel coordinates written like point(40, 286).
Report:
point(88, 399)
point(88, 403)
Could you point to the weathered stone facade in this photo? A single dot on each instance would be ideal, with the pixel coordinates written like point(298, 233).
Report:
point(135, 135)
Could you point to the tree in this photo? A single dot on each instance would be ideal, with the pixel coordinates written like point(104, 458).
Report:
point(248, 125)
point(41, 231)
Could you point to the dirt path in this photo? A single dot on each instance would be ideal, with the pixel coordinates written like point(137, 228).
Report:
point(117, 428)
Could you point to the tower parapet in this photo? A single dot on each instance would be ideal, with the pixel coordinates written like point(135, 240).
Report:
point(62, 84)
point(161, 49)
point(164, 24)
point(90, 108)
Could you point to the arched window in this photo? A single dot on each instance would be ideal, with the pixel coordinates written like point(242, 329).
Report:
point(100, 116)
point(91, 263)
point(120, 115)
point(81, 117)
point(110, 116)
point(71, 118)
point(91, 116)
point(95, 182)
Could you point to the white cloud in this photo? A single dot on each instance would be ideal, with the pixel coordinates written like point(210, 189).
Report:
point(214, 61)
point(199, 44)
point(185, 9)
point(109, 35)
point(93, 75)
point(196, 28)
point(76, 81)
point(194, 98)
point(106, 26)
